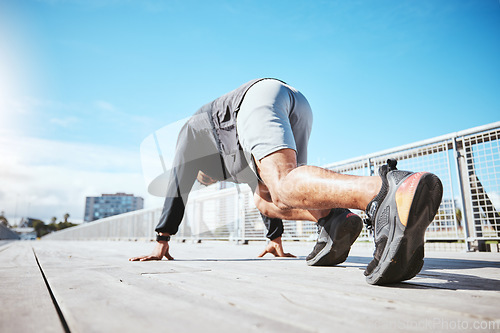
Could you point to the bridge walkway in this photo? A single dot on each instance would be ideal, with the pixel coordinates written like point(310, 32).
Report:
point(83, 286)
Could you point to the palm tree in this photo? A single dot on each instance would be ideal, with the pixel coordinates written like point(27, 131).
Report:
point(3, 219)
point(458, 216)
point(66, 216)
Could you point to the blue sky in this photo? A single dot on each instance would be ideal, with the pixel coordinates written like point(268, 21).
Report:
point(82, 83)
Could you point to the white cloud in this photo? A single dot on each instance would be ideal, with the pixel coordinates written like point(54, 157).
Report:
point(64, 122)
point(115, 115)
point(44, 178)
point(105, 106)
point(23, 114)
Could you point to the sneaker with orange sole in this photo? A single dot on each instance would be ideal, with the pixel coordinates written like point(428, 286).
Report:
point(399, 216)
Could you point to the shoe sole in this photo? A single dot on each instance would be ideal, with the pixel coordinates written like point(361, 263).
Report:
point(339, 244)
point(417, 201)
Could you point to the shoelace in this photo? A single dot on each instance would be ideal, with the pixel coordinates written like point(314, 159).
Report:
point(369, 224)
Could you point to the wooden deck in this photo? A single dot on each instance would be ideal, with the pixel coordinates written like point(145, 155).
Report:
point(57, 286)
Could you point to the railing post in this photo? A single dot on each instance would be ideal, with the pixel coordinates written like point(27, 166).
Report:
point(446, 148)
point(239, 216)
point(237, 225)
point(242, 216)
point(371, 167)
point(196, 221)
point(464, 187)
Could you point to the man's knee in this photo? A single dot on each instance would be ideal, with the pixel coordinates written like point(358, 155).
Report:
point(271, 208)
point(273, 169)
point(280, 197)
point(263, 206)
point(277, 196)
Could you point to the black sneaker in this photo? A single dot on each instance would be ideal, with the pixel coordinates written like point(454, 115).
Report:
point(399, 216)
point(336, 233)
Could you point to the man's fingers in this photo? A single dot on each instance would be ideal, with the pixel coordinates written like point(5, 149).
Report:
point(137, 258)
point(150, 258)
point(289, 255)
point(146, 258)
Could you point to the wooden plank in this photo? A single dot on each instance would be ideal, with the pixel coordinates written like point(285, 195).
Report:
point(322, 292)
point(223, 287)
point(97, 296)
point(26, 303)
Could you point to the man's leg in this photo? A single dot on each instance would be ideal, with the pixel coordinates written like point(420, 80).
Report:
point(179, 188)
point(338, 228)
point(274, 123)
point(402, 208)
point(313, 188)
point(263, 201)
point(196, 151)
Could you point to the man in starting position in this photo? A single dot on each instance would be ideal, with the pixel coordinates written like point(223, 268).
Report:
point(258, 134)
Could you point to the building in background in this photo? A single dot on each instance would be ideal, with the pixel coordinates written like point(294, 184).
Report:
point(111, 204)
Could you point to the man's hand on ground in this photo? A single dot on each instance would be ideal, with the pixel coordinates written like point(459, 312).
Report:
point(276, 249)
point(160, 251)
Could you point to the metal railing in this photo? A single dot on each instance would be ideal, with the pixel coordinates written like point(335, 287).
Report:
point(467, 162)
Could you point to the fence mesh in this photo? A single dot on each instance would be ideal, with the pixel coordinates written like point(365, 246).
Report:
point(482, 155)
